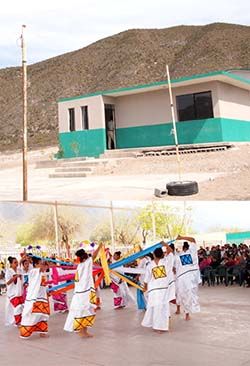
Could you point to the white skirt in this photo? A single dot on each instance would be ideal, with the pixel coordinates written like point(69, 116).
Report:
point(188, 299)
point(157, 317)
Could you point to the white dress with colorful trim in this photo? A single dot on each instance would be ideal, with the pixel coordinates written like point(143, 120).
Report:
point(83, 305)
point(36, 308)
point(161, 290)
point(121, 292)
point(187, 279)
point(14, 300)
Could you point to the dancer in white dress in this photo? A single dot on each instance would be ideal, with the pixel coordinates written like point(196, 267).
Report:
point(121, 291)
point(14, 300)
point(82, 309)
point(159, 286)
point(36, 309)
point(187, 277)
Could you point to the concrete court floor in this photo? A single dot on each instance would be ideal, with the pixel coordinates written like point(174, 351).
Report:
point(219, 335)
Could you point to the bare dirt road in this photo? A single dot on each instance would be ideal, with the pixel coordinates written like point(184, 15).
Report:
point(223, 175)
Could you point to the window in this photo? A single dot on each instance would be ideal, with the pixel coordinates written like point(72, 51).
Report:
point(194, 106)
point(72, 125)
point(85, 118)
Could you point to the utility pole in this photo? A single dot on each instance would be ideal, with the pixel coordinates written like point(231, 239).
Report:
point(25, 143)
point(58, 249)
point(153, 221)
point(112, 229)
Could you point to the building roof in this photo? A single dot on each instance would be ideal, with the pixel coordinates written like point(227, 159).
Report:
point(238, 237)
point(237, 77)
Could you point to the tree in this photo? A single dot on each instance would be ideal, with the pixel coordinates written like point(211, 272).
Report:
point(102, 232)
point(161, 221)
point(164, 222)
point(145, 219)
point(24, 234)
point(41, 227)
point(126, 230)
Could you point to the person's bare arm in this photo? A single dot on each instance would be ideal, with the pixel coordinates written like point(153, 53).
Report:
point(13, 279)
point(188, 238)
point(168, 248)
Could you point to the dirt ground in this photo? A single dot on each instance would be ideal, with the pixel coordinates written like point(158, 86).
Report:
point(223, 175)
point(233, 164)
point(233, 160)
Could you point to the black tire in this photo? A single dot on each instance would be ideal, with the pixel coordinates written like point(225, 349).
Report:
point(185, 188)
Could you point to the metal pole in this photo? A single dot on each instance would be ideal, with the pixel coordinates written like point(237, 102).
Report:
point(112, 227)
point(58, 250)
point(153, 221)
point(24, 71)
point(174, 122)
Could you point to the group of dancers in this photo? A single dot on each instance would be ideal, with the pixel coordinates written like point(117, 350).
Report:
point(171, 277)
point(166, 276)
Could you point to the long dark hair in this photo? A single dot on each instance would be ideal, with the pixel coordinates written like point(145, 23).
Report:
point(35, 261)
point(11, 259)
point(158, 253)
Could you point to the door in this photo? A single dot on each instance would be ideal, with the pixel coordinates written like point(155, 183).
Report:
point(110, 126)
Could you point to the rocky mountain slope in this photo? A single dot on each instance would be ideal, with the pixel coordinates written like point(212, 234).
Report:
point(129, 58)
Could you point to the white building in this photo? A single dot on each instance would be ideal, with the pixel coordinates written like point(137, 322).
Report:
point(213, 107)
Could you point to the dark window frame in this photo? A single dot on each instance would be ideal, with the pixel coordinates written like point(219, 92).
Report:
point(85, 117)
point(194, 106)
point(72, 119)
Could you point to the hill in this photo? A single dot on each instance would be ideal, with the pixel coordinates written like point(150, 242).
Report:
point(132, 57)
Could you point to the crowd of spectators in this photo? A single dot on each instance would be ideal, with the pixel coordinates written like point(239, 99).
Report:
point(225, 264)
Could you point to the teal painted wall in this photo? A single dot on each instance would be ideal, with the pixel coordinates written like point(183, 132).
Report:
point(235, 130)
point(89, 143)
point(238, 238)
point(189, 132)
point(93, 142)
point(156, 135)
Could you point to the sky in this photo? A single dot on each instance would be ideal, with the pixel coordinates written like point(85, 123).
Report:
point(55, 27)
point(218, 214)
